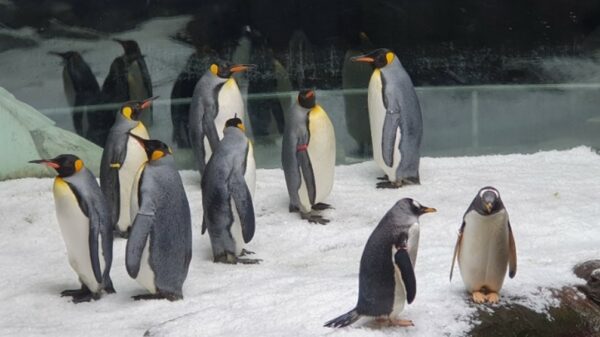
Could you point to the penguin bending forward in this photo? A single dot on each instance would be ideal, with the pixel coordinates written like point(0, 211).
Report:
point(216, 99)
point(395, 118)
point(121, 159)
point(387, 277)
point(228, 185)
point(308, 157)
point(159, 248)
point(485, 247)
point(84, 220)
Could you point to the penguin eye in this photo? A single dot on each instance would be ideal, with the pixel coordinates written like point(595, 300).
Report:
point(127, 112)
point(214, 69)
point(416, 204)
point(389, 57)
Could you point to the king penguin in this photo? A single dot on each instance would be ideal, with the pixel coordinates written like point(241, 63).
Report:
point(395, 118)
point(228, 187)
point(128, 78)
point(308, 157)
point(159, 248)
point(216, 99)
point(84, 220)
point(485, 247)
point(387, 277)
point(121, 159)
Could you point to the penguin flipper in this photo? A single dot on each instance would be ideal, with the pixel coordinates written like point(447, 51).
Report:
point(388, 137)
point(512, 254)
point(308, 174)
point(344, 320)
point(94, 256)
point(243, 204)
point(456, 249)
point(403, 262)
point(140, 229)
point(210, 129)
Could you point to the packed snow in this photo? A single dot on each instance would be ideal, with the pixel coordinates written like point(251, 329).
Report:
point(310, 272)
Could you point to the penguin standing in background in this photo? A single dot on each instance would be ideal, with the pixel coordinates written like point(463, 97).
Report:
point(81, 89)
point(387, 277)
point(128, 78)
point(159, 248)
point(228, 185)
point(121, 159)
point(485, 247)
point(84, 220)
point(308, 157)
point(395, 118)
point(216, 99)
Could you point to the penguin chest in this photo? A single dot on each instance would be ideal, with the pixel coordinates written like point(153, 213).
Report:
point(75, 230)
point(483, 255)
point(377, 114)
point(230, 104)
point(136, 156)
point(321, 151)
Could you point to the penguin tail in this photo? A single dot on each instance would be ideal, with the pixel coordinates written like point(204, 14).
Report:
point(344, 320)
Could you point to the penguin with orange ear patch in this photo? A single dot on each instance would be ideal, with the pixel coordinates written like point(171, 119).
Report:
point(84, 220)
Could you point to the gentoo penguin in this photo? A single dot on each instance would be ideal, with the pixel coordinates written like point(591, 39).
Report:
point(81, 89)
point(128, 78)
point(387, 277)
point(308, 157)
point(121, 159)
point(395, 118)
point(228, 186)
point(485, 247)
point(216, 99)
point(84, 220)
point(159, 248)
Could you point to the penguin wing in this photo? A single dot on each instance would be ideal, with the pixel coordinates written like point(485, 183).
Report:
point(306, 168)
point(457, 248)
point(388, 137)
point(512, 253)
point(145, 76)
point(115, 87)
point(402, 260)
point(209, 127)
point(243, 204)
point(137, 241)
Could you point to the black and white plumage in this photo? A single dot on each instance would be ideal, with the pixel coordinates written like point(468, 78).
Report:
point(386, 279)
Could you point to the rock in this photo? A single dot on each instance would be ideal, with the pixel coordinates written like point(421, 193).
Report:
point(590, 272)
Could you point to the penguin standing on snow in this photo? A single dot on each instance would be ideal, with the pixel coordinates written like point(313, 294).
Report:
point(308, 157)
point(227, 190)
point(216, 99)
point(128, 78)
point(121, 159)
point(485, 247)
point(387, 278)
point(84, 220)
point(395, 118)
point(159, 248)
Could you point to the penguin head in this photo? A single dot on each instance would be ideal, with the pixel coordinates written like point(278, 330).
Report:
point(155, 149)
point(235, 122)
point(225, 70)
point(67, 55)
point(379, 58)
point(133, 110)
point(307, 98)
point(130, 47)
point(66, 164)
point(414, 207)
point(488, 201)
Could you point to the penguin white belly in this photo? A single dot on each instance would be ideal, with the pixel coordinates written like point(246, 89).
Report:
point(230, 104)
point(321, 151)
point(146, 274)
point(250, 175)
point(136, 156)
point(75, 229)
point(376, 119)
point(134, 204)
point(399, 289)
point(483, 255)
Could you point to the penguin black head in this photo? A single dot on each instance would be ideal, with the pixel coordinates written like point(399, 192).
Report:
point(414, 207)
point(488, 201)
point(307, 98)
point(66, 164)
point(130, 47)
point(155, 149)
point(379, 58)
point(132, 110)
point(67, 55)
point(235, 122)
point(225, 70)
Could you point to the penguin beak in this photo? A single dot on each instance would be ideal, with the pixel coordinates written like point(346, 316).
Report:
point(362, 58)
point(241, 127)
point(488, 206)
point(59, 54)
point(45, 162)
point(428, 210)
point(236, 68)
point(140, 140)
point(119, 41)
point(147, 102)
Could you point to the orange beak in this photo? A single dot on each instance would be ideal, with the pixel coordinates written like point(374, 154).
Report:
point(366, 59)
point(45, 162)
point(236, 68)
point(147, 102)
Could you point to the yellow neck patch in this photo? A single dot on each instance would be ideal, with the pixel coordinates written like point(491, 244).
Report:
point(157, 154)
point(214, 69)
point(126, 111)
point(389, 57)
point(317, 110)
point(78, 165)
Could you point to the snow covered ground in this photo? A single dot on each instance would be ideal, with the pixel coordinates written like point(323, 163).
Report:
point(310, 272)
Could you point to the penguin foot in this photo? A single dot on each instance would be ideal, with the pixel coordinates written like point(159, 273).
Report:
point(314, 218)
point(75, 292)
point(401, 322)
point(249, 261)
point(389, 184)
point(385, 178)
point(157, 296)
point(321, 206)
point(246, 252)
point(492, 298)
point(225, 257)
point(478, 297)
point(120, 234)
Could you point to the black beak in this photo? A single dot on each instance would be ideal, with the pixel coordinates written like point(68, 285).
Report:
point(141, 140)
